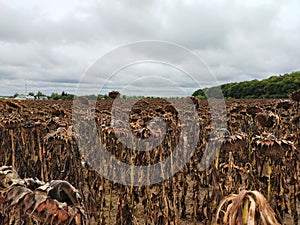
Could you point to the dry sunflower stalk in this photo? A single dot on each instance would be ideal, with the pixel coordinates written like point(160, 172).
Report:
point(258, 150)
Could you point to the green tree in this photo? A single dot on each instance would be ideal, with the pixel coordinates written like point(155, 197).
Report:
point(55, 96)
point(68, 97)
point(280, 86)
point(100, 97)
point(39, 95)
point(198, 92)
point(15, 95)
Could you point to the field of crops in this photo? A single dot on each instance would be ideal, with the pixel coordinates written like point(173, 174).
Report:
point(259, 150)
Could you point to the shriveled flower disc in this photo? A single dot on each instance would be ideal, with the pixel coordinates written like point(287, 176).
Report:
point(234, 143)
point(253, 110)
point(272, 147)
point(286, 104)
point(113, 94)
point(266, 120)
point(296, 120)
point(12, 121)
point(296, 96)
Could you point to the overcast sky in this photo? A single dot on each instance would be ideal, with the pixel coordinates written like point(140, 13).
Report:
point(50, 45)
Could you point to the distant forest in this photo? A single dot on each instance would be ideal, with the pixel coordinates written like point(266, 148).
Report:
point(280, 86)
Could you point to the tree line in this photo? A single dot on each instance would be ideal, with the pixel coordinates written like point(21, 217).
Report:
point(54, 96)
point(66, 96)
point(280, 86)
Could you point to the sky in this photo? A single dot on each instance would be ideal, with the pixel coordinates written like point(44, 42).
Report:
point(55, 46)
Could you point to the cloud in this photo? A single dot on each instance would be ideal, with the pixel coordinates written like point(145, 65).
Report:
point(50, 45)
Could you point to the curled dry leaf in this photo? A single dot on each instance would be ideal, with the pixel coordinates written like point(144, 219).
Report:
point(22, 201)
point(258, 210)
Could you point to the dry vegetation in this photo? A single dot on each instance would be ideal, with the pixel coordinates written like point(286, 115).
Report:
point(259, 151)
point(32, 201)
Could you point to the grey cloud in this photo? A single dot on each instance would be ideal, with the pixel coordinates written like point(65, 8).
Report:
point(53, 45)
